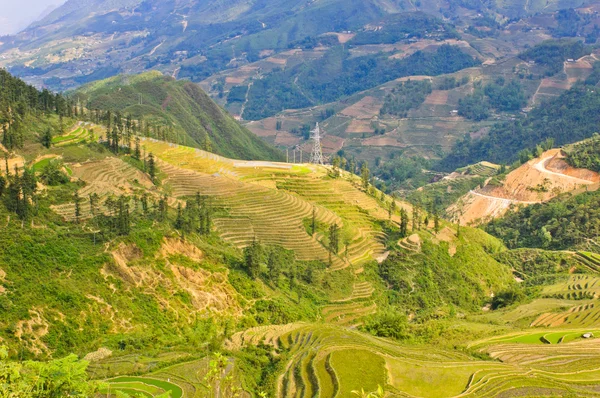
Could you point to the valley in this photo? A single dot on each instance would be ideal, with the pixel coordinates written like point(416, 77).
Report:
point(164, 233)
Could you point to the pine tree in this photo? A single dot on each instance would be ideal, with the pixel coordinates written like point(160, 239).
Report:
point(123, 218)
point(151, 167)
point(145, 203)
point(179, 219)
point(364, 175)
point(436, 222)
point(77, 200)
point(252, 255)
point(334, 239)
point(403, 223)
point(162, 208)
point(314, 221)
point(274, 266)
point(47, 138)
point(137, 153)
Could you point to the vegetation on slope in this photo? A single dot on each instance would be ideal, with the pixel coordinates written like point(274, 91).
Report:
point(338, 74)
point(571, 117)
point(179, 106)
point(563, 223)
point(586, 154)
point(398, 27)
point(553, 53)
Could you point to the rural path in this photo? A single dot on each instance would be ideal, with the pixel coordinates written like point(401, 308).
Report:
point(504, 200)
point(541, 164)
point(246, 101)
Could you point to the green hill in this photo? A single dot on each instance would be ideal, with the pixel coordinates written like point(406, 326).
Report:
point(174, 270)
point(180, 107)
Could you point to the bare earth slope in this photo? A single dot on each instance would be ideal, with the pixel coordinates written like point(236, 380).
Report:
point(538, 180)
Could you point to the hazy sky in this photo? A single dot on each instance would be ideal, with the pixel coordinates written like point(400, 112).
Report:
point(16, 15)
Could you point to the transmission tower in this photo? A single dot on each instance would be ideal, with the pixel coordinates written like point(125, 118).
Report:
point(316, 157)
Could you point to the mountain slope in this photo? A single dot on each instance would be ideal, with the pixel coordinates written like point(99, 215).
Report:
point(536, 181)
point(180, 105)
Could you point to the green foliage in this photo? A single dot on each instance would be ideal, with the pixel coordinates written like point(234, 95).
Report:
point(474, 106)
point(57, 378)
point(261, 367)
point(403, 26)
point(569, 221)
point(425, 281)
point(507, 298)
point(572, 117)
point(390, 324)
point(585, 155)
point(52, 174)
point(19, 103)
point(531, 263)
point(338, 74)
point(253, 256)
point(406, 96)
point(553, 53)
point(497, 95)
point(403, 172)
point(177, 106)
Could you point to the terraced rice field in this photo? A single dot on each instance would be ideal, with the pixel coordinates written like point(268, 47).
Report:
point(269, 201)
point(575, 288)
point(584, 315)
point(590, 260)
point(110, 176)
point(146, 386)
point(327, 361)
point(76, 136)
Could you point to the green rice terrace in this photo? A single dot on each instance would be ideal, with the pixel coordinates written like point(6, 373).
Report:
point(540, 345)
point(176, 272)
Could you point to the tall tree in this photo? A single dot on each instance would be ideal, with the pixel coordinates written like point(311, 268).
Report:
point(365, 174)
point(151, 167)
point(47, 137)
point(252, 256)
point(334, 239)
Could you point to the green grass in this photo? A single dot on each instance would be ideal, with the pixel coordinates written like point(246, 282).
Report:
point(148, 385)
point(356, 369)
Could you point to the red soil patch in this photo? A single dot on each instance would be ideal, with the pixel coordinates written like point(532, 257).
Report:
point(344, 38)
point(287, 139)
point(437, 97)
point(359, 126)
point(555, 84)
point(234, 80)
point(277, 61)
point(332, 143)
point(382, 140)
point(366, 108)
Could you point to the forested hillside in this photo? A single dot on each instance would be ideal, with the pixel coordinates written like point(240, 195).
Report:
point(338, 74)
point(571, 117)
point(178, 111)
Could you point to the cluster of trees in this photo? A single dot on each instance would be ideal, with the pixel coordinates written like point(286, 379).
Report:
point(196, 216)
point(573, 116)
point(403, 26)
point(553, 53)
point(65, 377)
point(406, 96)
point(586, 155)
point(338, 74)
point(560, 224)
point(18, 101)
point(502, 96)
point(19, 191)
point(276, 265)
point(450, 82)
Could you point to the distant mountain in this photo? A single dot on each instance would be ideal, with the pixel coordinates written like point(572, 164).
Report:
point(177, 108)
point(194, 39)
